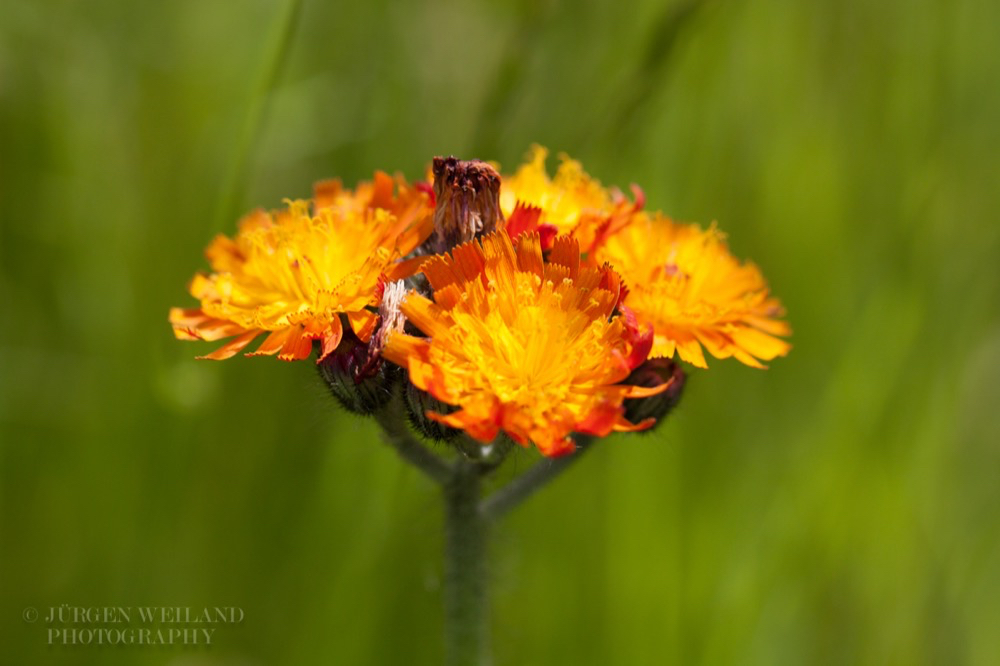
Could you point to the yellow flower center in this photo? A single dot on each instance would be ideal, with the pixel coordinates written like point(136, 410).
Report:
point(297, 266)
point(293, 272)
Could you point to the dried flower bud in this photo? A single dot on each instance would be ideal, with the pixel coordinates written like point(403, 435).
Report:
point(467, 195)
point(655, 372)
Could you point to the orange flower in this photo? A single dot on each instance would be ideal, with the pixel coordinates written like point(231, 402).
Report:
point(531, 347)
point(572, 203)
point(292, 273)
point(684, 282)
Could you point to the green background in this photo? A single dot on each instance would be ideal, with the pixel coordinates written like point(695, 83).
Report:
point(839, 508)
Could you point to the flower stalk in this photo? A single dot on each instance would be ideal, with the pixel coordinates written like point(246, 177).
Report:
point(465, 570)
point(503, 500)
point(392, 419)
point(468, 518)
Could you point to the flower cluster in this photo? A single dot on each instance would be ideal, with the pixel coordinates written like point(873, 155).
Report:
point(527, 305)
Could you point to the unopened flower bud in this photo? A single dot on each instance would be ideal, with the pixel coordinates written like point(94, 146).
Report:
point(655, 372)
point(418, 403)
point(360, 383)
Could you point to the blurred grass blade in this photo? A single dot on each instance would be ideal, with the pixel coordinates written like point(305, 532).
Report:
point(278, 45)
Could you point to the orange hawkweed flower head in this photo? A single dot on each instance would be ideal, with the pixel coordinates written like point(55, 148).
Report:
point(684, 282)
point(517, 343)
point(292, 273)
point(572, 203)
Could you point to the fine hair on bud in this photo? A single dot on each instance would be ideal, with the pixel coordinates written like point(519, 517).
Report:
point(359, 383)
point(418, 402)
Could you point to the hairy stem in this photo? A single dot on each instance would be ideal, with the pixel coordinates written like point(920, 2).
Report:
point(499, 503)
point(466, 615)
point(467, 521)
point(392, 419)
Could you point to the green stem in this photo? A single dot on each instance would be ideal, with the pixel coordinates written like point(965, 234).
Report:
point(467, 521)
point(466, 618)
point(393, 420)
point(499, 503)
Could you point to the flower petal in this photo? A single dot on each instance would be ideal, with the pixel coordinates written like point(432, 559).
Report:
point(232, 347)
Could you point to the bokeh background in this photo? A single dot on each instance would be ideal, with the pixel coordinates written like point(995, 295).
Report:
point(838, 508)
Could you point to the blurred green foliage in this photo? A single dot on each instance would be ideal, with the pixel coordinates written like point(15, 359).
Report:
point(839, 508)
